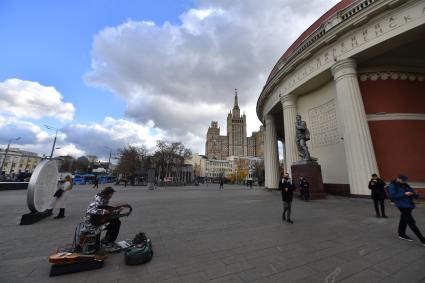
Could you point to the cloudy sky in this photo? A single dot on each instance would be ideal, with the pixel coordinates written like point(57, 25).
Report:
point(119, 72)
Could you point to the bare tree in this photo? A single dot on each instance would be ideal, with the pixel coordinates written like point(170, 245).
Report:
point(131, 160)
point(67, 164)
point(82, 164)
point(169, 157)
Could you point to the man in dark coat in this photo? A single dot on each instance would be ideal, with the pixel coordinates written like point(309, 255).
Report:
point(402, 194)
point(304, 189)
point(287, 187)
point(377, 187)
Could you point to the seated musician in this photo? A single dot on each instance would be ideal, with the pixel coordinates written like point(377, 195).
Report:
point(100, 212)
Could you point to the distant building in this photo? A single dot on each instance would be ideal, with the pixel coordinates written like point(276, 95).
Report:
point(235, 143)
point(245, 166)
point(199, 163)
point(256, 143)
point(216, 168)
point(18, 161)
point(100, 164)
point(242, 167)
point(92, 158)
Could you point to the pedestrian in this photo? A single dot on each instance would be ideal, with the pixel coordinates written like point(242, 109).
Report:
point(96, 183)
point(221, 184)
point(60, 197)
point(125, 182)
point(304, 189)
point(377, 188)
point(403, 194)
point(287, 187)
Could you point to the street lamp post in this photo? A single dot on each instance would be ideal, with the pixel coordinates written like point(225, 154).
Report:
point(54, 141)
point(109, 161)
point(7, 150)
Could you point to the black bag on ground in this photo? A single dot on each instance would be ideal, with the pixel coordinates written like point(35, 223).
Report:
point(141, 251)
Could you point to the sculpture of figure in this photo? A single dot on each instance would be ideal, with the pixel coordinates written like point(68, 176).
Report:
point(302, 136)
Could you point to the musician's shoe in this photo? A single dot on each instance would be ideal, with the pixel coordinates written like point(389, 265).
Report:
point(111, 247)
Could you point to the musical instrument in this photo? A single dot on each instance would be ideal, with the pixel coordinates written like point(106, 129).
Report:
point(114, 214)
point(73, 257)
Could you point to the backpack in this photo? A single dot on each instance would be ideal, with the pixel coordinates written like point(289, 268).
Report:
point(387, 191)
point(141, 251)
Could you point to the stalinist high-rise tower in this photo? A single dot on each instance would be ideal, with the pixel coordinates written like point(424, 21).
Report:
point(235, 143)
point(236, 130)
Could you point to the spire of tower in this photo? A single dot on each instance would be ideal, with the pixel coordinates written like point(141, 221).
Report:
point(236, 97)
point(236, 110)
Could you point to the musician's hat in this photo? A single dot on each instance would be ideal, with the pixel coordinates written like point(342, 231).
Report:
point(107, 191)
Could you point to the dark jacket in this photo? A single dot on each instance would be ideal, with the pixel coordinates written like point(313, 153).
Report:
point(304, 185)
point(397, 190)
point(287, 187)
point(377, 188)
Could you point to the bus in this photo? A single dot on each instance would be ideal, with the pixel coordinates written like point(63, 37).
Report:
point(107, 179)
point(84, 179)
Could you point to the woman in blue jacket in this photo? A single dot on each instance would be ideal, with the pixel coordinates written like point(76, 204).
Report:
point(402, 195)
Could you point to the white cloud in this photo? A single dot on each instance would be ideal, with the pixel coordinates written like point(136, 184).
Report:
point(27, 132)
point(112, 133)
point(81, 139)
point(182, 76)
point(26, 99)
point(69, 149)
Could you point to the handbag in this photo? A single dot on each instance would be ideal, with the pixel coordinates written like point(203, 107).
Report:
point(58, 193)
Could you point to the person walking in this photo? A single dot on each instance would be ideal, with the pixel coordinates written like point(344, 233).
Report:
point(287, 187)
point(304, 189)
point(377, 188)
point(96, 183)
point(403, 195)
point(221, 184)
point(60, 197)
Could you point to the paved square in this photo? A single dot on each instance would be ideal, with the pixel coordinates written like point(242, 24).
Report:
point(202, 234)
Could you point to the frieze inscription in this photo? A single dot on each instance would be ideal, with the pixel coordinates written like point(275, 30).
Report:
point(358, 40)
point(351, 42)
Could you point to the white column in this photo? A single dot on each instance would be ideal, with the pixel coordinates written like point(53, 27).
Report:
point(289, 104)
point(266, 159)
point(361, 161)
point(285, 166)
point(272, 154)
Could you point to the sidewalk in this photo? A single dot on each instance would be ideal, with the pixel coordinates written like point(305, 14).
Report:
point(202, 234)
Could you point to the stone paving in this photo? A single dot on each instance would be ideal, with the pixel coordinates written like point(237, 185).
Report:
point(202, 234)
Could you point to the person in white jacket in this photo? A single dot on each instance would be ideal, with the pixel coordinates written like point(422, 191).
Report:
point(60, 197)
